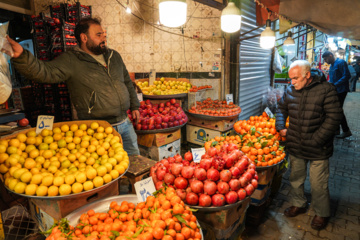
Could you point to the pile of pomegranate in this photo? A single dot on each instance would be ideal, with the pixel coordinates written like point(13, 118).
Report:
point(222, 177)
point(159, 116)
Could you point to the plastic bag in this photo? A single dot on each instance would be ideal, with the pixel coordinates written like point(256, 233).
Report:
point(5, 82)
point(4, 43)
point(272, 97)
point(278, 62)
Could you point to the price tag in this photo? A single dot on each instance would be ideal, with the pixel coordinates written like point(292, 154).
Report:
point(140, 97)
point(144, 188)
point(197, 153)
point(268, 112)
point(152, 76)
point(44, 122)
point(229, 98)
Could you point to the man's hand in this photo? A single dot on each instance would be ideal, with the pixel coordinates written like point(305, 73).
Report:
point(136, 115)
point(283, 132)
point(16, 47)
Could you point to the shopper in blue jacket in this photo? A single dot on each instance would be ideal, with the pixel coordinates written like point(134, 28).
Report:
point(339, 76)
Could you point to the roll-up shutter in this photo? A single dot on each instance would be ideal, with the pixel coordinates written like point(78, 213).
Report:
point(254, 64)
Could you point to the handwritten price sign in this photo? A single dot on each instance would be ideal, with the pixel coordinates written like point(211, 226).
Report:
point(144, 188)
point(44, 122)
point(197, 153)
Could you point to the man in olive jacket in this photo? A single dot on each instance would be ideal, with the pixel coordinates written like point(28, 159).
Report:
point(314, 112)
point(98, 81)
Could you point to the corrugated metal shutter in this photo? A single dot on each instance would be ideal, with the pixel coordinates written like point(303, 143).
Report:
point(254, 64)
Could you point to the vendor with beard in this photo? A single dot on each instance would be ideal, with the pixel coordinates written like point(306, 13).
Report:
point(99, 84)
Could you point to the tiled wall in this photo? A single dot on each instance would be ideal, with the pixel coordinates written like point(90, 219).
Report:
point(144, 47)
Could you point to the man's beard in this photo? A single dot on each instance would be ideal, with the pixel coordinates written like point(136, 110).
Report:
point(96, 49)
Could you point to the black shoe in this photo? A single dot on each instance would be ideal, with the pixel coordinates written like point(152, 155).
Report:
point(294, 211)
point(319, 223)
point(344, 134)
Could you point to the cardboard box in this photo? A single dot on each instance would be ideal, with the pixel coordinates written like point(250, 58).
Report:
point(200, 135)
point(44, 220)
point(261, 194)
point(158, 153)
point(222, 125)
point(265, 176)
point(158, 139)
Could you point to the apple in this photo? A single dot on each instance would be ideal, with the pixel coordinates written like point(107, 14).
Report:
point(165, 119)
point(158, 126)
point(148, 106)
point(171, 124)
point(176, 123)
point(142, 103)
point(171, 118)
point(144, 127)
point(138, 126)
point(148, 101)
point(158, 120)
point(162, 105)
point(168, 104)
point(151, 121)
point(164, 125)
point(151, 126)
point(161, 109)
point(176, 105)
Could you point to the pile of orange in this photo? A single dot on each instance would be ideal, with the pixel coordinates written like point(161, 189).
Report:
point(195, 88)
point(164, 216)
point(257, 139)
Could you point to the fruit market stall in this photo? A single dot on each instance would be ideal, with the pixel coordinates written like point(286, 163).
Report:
point(64, 168)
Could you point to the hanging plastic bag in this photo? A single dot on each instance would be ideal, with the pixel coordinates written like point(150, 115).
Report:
point(4, 43)
point(278, 62)
point(5, 82)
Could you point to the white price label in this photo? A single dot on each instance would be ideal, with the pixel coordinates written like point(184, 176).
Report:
point(152, 76)
point(140, 97)
point(229, 98)
point(268, 112)
point(144, 188)
point(197, 153)
point(44, 122)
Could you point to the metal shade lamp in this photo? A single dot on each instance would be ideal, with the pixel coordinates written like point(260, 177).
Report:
point(230, 18)
point(172, 12)
point(267, 37)
point(289, 44)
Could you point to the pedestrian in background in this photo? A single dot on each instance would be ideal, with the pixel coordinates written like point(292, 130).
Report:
point(314, 112)
point(353, 78)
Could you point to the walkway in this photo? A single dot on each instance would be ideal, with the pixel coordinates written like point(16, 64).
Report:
point(344, 187)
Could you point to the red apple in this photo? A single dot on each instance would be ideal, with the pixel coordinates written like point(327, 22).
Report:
point(172, 101)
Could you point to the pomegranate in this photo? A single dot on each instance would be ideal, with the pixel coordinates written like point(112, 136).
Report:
point(241, 194)
point(231, 147)
point(218, 200)
point(243, 181)
point(192, 198)
point(182, 194)
point(223, 187)
point(225, 175)
point(231, 197)
point(176, 168)
point(251, 171)
point(254, 182)
point(188, 156)
point(178, 158)
point(204, 200)
point(159, 185)
point(200, 174)
point(248, 176)
point(235, 172)
point(180, 183)
point(197, 186)
point(206, 163)
point(187, 172)
point(160, 173)
point(171, 160)
point(210, 187)
point(234, 184)
point(165, 162)
point(252, 166)
point(212, 151)
point(169, 178)
point(249, 189)
point(213, 174)
point(188, 189)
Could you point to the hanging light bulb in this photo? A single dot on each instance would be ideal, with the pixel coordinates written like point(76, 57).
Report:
point(172, 13)
point(289, 44)
point(128, 10)
point(230, 18)
point(267, 37)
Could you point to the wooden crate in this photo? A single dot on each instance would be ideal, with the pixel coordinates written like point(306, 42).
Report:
point(222, 125)
point(261, 194)
point(104, 124)
point(225, 224)
point(158, 139)
point(265, 176)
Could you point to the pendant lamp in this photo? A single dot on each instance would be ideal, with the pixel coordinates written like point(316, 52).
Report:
point(267, 37)
point(289, 44)
point(230, 18)
point(172, 13)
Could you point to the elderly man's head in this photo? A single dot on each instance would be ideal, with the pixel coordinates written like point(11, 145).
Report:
point(299, 72)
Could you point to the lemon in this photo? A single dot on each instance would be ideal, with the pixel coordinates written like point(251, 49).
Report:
point(42, 190)
point(101, 171)
point(20, 187)
point(36, 178)
point(88, 185)
point(70, 179)
point(53, 191)
point(26, 177)
point(98, 181)
point(114, 174)
point(65, 128)
point(61, 143)
point(107, 178)
point(12, 170)
point(64, 189)
point(52, 169)
point(108, 166)
point(120, 169)
point(81, 177)
point(48, 139)
point(45, 132)
point(12, 183)
point(77, 187)
point(94, 125)
point(34, 171)
point(47, 180)
point(91, 173)
point(29, 163)
point(18, 172)
point(43, 146)
point(31, 189)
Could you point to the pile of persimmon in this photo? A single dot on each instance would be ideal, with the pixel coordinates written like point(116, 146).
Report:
point(195, 88)
point(215, 108)
point(257, 139)
point(164, 216)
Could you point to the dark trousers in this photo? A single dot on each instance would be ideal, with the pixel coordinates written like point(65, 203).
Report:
point(343, 123)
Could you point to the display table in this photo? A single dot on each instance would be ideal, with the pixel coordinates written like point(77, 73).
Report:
point(138, 168)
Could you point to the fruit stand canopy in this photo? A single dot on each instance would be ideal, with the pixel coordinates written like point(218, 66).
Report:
point(333, 17)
